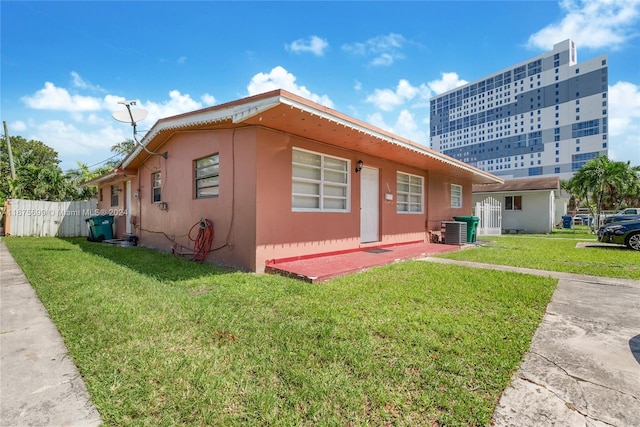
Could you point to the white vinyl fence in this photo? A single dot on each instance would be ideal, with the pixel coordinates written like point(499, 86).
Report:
point(490, 213)
point(48, 219)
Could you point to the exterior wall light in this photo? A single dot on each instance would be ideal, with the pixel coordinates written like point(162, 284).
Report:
point(360, 165)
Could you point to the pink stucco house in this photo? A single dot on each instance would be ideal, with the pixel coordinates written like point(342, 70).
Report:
point(281, 176)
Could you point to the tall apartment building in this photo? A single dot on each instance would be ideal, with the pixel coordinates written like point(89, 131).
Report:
point(543, 117)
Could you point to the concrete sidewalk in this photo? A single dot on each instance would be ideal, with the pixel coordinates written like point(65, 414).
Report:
point(583, 367)
point(39, 383)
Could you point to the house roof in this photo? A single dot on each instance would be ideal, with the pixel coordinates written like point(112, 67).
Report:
point(524, 184)
point(283, 111)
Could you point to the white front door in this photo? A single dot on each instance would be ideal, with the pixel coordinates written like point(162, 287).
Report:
point(128, 207)
point(369, 205)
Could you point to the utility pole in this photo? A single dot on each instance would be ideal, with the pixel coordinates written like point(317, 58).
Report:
point(6, 136)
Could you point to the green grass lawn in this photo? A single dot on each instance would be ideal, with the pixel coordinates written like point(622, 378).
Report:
point(163, 342)
point(557, 251)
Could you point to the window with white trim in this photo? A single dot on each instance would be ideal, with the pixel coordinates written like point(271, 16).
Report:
point(114, 195)
point(409, 193)
point(156, 190)
point(207, 176)
point(456, 196)
point(513, 203)
point(319, 182)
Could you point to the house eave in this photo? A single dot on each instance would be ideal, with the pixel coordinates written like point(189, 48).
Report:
point(253, 111)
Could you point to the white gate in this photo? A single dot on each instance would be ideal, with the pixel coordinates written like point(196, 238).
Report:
point(490, 213)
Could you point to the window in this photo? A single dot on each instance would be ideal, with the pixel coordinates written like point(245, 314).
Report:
point(513, 203)
point(409, 193)
point(156, 190)
point(114, 195)
point(456, 196)
point(207, 176)
point(319, 182)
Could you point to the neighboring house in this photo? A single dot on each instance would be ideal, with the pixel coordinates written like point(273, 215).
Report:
point(530, 205)
point(281, 176)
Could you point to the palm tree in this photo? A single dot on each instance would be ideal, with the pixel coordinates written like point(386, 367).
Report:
point(123, 148)
point(601, 182)
point(83, 174)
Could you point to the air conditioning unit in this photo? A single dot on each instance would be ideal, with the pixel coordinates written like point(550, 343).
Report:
point(455, 232)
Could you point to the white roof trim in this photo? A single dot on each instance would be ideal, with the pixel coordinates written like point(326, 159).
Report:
point(236, 114)
point(241, 112)
point(384, 137)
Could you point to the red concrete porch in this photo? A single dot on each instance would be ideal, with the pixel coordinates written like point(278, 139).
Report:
point(317, 268)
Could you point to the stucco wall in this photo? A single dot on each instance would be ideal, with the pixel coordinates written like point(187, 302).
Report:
point(439, 208)
point(232, 211)
point(119, 210)
point(253, 217)
point(283, 233)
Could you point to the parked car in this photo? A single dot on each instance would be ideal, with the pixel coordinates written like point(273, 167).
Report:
point(629, 211)
point(619, 217)
point(622, 233)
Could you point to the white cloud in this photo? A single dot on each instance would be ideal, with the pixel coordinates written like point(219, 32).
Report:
point(71, 142)
point(405, 126)
point(447, 82)
point(80, 128)
point(176, 104)
point(208, 99)
point(54, 98)
point(182, 60)
point(384, 60)
point(387, 99)
point(624, 122)
point(80, 83)
point(312, 44)
point(591, 24)
point(279, 78)
point(17, 126)
point(385, 49)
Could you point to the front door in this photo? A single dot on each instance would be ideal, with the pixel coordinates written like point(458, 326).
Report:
point(369, 205)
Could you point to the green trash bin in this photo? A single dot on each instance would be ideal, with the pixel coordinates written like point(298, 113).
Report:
point(472, 226)
point(100, 228)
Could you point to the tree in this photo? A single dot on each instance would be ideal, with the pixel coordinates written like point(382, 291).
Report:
point(123, 148)
point(82, 174)
point(38, 175)
point(602, 183)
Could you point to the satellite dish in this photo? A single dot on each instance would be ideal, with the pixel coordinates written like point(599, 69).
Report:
point(133, 117)
point(130, 116)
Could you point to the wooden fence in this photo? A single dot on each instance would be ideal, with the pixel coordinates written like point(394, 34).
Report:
point(37, 218)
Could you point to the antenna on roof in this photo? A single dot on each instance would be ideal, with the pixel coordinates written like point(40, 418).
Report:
point(132, 116)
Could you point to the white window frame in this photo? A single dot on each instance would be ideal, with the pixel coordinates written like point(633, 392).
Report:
point(409, 193)
point(302, 176)
point(156, 187)
point(115, 199)
point(456, 196)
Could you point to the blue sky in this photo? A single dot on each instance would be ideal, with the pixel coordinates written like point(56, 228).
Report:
point(65, 65)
